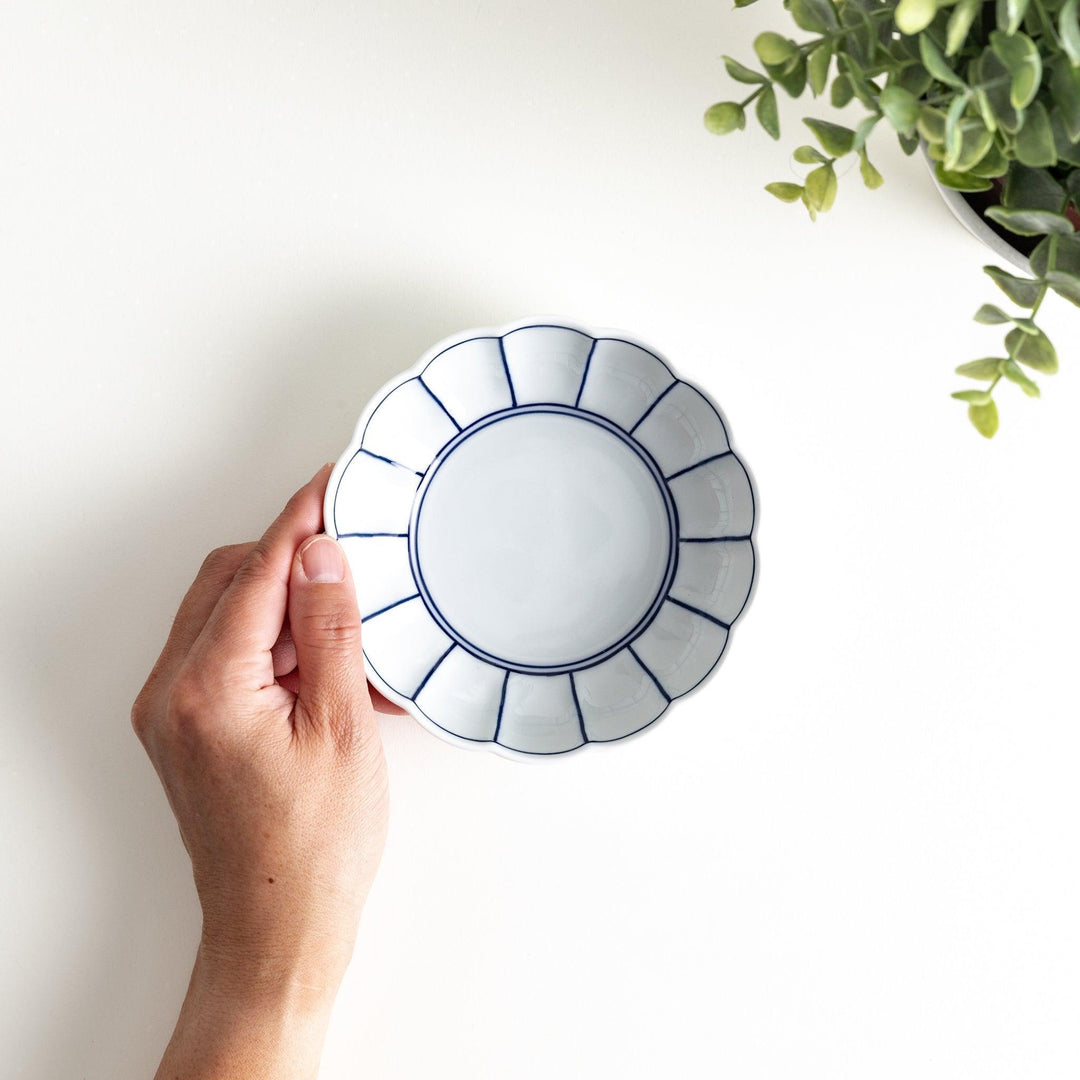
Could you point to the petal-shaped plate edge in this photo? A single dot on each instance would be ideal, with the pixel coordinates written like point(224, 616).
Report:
point(417, 369)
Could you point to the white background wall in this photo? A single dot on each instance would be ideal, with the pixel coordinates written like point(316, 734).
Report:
point(222, 226)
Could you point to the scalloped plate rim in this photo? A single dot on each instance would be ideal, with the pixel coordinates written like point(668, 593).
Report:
point(416, 369)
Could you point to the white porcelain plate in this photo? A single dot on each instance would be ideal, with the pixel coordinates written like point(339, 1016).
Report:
point(550, 536)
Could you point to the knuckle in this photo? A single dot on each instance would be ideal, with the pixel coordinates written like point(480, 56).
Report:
point(140, 713)
point(256, 565)
point(213, 559)
point(223, 561)
point(187, 703)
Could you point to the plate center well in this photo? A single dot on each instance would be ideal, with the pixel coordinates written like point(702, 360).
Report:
point(543, 538)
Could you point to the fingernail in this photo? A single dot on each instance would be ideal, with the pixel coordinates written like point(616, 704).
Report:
point(322, 560)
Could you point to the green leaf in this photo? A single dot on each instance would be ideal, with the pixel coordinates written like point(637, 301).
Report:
point(809, 155)
point(956, 32)
point(870, 176)
point(744, 3)
point(774, 48)
point(914, 16)
point(974, 143)
point(766, 112)
point(785, 192)
point(908, 143)
point(960, 181)
point(996, 81)
point(1014, 14)
point(974, 397)
point(1032, 350)
point(1065, 91)
point(1022, 291)
point(1056, 254)
point(817, 68)
point(1066, 285)
point(790, 76)
point(814, 15)
point(1029, 222)
point(862, 38)
point(1020, 55)
point(989, 315)
point(914, 78)
point(862, 132)
point(1033, 189)
point(986, 111)
point(741, 73)
point(1012, 372)
point(841, 92)
point(931, 124)
point(993, 165)
point(987, 368)
point(821, 187)
point(834, 139)
point(900, 107)
point(1069, 28)
point(805, 17)
point(724, 117)
point(953, 135)
point(861, 86)
point(935, 63)
point(1035, 140)
point(984, 418)
point(1067, 150)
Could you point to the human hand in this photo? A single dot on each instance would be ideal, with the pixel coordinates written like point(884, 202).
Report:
point(258, 720)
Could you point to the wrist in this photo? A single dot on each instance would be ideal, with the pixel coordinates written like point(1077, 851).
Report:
point(292, 986)
point(243, 1018)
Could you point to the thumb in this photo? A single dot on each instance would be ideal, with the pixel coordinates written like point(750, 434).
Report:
point(325, 624)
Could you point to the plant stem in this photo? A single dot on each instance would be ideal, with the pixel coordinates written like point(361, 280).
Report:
point(843, 31)
point(756, 93)
point(1038, 300)
point(1001, 80)
point(1043, 287)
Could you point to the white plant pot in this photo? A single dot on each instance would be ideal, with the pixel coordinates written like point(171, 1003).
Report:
point(975, 224)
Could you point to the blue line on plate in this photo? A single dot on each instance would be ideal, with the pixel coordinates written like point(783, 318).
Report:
point(648, 671)
point(698, 464)
point(502, 702)
point(367, 536)
point(436, 399)
point(653, 406)
point(403, 600)
point(389, 461)
point(509, 380)
point(585, 374)
point(577, 705)
point(711, 539)
point(698, 611)
point(423, 682)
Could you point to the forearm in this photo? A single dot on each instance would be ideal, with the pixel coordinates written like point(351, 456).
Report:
point(234, 1026)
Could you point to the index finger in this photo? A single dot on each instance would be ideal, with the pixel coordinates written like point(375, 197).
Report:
point(213, 579)
point(248, 618)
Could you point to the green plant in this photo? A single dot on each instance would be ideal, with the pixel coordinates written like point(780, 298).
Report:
point(990, 87)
